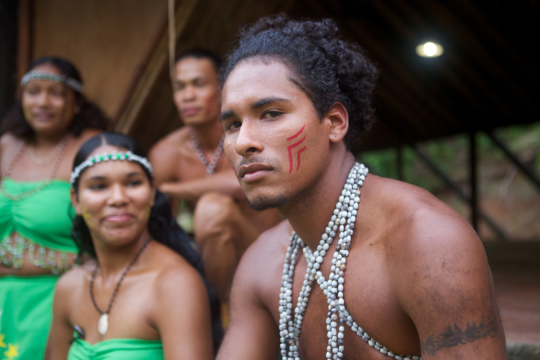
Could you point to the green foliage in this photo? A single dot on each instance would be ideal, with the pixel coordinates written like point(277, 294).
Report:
point(451, 156)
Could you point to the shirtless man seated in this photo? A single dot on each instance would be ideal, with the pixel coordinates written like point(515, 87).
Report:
point(397, 274)
point(189, 164)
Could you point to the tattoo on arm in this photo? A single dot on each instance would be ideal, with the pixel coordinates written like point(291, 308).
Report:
point(453, 336)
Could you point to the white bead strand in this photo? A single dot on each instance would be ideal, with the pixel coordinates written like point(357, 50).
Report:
point(342, 222)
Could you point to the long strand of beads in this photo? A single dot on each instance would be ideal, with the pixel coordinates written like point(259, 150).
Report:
point(343, 220)
point(290, 327)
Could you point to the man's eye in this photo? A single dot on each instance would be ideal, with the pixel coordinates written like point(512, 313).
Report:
point(271, 114)
point(233, 125)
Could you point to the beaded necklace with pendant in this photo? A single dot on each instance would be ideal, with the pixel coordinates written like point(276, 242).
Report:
point(342, 221)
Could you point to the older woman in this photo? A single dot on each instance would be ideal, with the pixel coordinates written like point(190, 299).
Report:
point(142, 296)
point(38, 145)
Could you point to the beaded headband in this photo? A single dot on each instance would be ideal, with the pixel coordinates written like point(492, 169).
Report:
point(40, 75)
point(91, 161)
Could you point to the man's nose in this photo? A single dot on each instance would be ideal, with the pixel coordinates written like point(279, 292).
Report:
point(248, 141)
point(188, 93)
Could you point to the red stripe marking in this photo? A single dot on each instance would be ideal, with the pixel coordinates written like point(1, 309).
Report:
point(289, 148)
point(298, 133)
point(298, 155)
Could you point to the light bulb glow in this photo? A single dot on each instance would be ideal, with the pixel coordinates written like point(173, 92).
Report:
point(429, 49)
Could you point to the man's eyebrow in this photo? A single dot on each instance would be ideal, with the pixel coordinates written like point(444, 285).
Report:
point(190, 80)
point(225, 115)
point(267, 101)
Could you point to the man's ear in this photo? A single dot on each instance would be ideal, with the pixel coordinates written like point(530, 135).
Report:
point(75, 202)
point(337, 119)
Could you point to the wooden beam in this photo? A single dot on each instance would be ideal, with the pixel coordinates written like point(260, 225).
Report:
point(24, 47)
point(139, 70)
point(513, 157)
point(437, 171)
point(399, 163)
point(155, 65)
point(473, 177)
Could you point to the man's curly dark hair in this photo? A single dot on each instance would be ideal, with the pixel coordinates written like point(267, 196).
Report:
point(326, 67)
point(89, 115)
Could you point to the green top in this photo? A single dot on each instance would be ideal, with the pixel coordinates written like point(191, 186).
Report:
point(116, 349)
point(43, 218)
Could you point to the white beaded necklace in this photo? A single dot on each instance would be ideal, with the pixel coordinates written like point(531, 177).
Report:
point(290, 327)
point(209, 166)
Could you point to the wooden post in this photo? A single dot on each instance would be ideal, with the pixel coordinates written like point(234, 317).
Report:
point(473, 167)
point(24, 47)
point(399, 158)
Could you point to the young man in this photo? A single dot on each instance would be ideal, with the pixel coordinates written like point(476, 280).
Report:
point(189, 164)
point(397, 274)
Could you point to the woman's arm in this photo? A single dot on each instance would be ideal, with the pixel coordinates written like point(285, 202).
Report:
point(182, 314)
point(61, 330)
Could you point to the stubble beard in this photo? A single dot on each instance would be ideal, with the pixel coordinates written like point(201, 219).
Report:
point(261, 203)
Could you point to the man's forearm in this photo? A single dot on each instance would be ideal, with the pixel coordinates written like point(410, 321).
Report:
point(192, 190)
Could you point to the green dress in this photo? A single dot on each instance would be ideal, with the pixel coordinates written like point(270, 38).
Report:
point(116, 349)
point(41, 223)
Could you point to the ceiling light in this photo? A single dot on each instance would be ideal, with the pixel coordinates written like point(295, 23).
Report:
point(429, 49)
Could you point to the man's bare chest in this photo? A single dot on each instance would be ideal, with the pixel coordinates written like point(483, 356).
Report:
point(371, 302)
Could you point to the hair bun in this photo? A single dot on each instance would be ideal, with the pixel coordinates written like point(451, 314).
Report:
point(329, 68)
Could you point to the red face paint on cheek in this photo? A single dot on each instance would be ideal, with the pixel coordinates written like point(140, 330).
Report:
point(210, 103)
point(291, 147)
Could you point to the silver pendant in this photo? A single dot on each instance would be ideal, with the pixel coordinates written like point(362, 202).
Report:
point(103, 324)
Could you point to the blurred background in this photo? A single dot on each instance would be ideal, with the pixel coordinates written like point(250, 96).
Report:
point(457, 100)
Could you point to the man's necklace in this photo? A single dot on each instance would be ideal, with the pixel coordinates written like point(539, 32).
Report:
point(290, 325)
point(210, 166)
point(103, 324)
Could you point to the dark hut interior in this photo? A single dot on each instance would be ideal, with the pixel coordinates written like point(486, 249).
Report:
point(487, 78)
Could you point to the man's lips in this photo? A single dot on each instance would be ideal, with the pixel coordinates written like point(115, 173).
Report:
point(190, 111)
point(253, 172)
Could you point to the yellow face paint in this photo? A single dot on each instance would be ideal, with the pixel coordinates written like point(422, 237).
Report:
point(67, 114)
point(86, 215)
point(27, 113)
point(148, 211)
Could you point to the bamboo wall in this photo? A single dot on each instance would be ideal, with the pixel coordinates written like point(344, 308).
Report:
point(105, 39)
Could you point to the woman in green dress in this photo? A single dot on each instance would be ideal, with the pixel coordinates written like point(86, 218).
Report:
point(40, 137)
point(142, 295)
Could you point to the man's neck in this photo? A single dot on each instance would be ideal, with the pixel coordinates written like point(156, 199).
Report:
point(208, 135)
point(310, 212)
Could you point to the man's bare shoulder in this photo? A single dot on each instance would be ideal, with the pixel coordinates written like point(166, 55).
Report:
point(437, 268)
point(413, 214)
point(173, 144)
point(265, 255)
point(273, 241)
point(421, 235)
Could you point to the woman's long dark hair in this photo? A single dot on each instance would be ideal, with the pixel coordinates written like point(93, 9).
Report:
point(161, 224)
point(89, 115)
